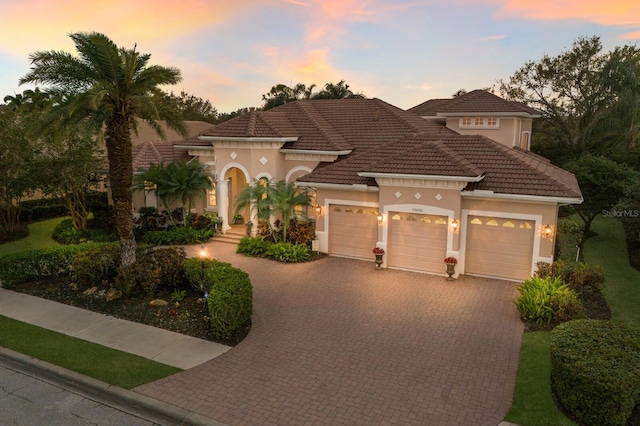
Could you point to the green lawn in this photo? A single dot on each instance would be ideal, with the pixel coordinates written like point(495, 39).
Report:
point(108, 365)
point(39, 237)
point(532, 402)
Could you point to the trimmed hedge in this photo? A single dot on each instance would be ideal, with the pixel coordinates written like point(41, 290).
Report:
point(180, 235)
point(22, 266)
point(595, 370)
point(230, 298)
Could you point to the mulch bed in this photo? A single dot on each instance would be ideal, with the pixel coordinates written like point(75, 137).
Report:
point(189, 316)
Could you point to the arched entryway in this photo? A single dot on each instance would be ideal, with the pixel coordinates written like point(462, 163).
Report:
point(233, 179)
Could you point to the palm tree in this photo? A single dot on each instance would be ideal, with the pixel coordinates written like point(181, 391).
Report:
point(284, 198)
point(269, 199)
point(338, 90)
point(110, 86)
point(185, 182)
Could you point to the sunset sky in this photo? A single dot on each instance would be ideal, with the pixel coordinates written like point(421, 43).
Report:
point(404, 52)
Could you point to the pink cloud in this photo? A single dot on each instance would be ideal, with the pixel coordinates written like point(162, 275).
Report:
point(614, 12)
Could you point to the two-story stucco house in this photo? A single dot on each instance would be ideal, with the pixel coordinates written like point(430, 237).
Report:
point(446, 178)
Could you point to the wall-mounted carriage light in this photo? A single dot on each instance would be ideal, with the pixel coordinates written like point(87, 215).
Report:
point(547, 231)
point(455, 225)
point(380, 217)
point(318, 210)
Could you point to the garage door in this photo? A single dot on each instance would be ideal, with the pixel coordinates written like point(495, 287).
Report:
point(353, 231)
point(417, 242)
point(499, 247)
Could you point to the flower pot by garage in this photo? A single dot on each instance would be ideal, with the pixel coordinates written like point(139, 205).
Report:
point(451, 269)
point(378, 260)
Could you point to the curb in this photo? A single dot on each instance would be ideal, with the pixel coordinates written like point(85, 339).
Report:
point(122, 399)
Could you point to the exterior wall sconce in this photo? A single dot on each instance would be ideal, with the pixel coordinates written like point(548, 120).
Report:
point(455, 225)
point(380, 217)
point(318, 210)
point(547, 231)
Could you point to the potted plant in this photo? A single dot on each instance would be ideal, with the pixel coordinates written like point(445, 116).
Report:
point(451, 263)
point(378, 252)
point(238, 219)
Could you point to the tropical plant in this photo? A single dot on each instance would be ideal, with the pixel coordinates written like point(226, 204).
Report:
point(283, 198)
point(110, 86)
point(338, 90)
point(184, 182)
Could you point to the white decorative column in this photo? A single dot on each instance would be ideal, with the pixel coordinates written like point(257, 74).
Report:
point(222, 193)
point(254, 219)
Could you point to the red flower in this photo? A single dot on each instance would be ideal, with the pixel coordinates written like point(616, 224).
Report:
point(451, 259)
point(378, 250)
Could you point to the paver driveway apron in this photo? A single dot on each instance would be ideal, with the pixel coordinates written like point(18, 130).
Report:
point(337, 342)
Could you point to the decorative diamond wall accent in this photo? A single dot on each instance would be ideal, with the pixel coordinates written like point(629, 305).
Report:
point(398, 194)
point(418, 196)
point(233, 155)
point(263, 161)
point(438, 197)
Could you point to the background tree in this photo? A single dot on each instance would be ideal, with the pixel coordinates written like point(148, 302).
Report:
point(110, 86)
point(17, 153)
point(338, 90)
point(194, 108)
point(281, 94)
point(604, 183)
point(577, 92)
point(69, 170)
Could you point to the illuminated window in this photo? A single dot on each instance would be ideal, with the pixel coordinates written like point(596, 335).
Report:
point(524, 140)
point(348, 210)
point(441, 221)
point(211, 196)
point(524, 225)
point(492, 222)
point(396, 217)
point(337, 209)
point(411, 219)
point(508, 224)
point(478, 122)
point(426, 219)
point(476, 221)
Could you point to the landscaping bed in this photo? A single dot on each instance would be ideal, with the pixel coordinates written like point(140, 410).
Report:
point(189, 316)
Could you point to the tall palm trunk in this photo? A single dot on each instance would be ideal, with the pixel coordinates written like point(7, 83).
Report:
point(119, 153)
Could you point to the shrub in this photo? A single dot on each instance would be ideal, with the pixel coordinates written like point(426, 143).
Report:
point(578, 276)
point(546, 300)
point(94, 266)
point(595, 371)
point(253, 246)
point(22, 266)
point(200, 222)
point(230, 297)
point(301, 232)
point(64, 233)
point(568, 239)
point(155, 270)
point(178, 236)
point(287, 252)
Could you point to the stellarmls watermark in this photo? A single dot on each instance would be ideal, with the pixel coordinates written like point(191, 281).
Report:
point(621, 213)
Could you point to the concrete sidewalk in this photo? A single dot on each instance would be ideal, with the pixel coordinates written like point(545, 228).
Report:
point(153, 343)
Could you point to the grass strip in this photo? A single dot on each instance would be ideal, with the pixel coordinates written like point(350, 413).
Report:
point(90, 359)
point(622, 282)
point(532, 401)
point(39, 237)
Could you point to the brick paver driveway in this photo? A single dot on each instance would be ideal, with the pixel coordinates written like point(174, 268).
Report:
point(335, 342)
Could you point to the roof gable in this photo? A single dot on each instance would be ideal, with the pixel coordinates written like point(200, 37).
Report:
point(474, 102)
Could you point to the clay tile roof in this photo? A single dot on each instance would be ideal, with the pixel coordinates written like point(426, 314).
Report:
point(147, 153)
point(146, 133)
point(474, 102)
point(425, 156)
point(256, 124)
point(509, 171)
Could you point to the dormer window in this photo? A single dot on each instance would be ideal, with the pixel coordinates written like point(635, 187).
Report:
point(479, 123)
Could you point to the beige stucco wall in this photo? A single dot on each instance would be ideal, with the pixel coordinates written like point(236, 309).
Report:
point(508, 132)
